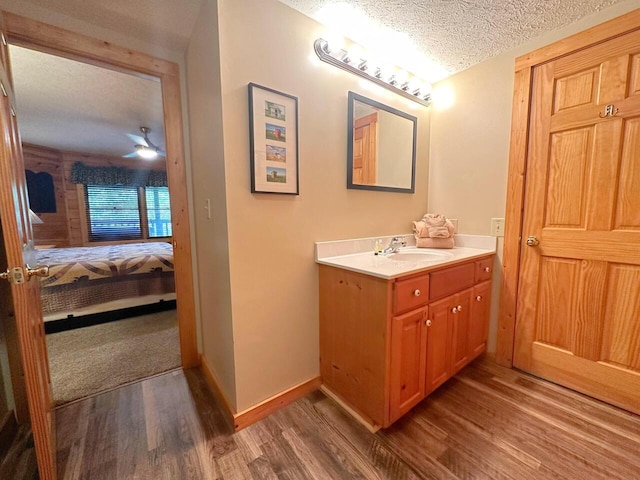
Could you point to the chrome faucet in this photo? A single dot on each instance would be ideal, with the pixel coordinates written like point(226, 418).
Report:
point(394, 245)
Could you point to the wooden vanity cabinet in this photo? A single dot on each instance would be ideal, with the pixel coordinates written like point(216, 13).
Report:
point(386, 344)
point(408, 362)
point(448, 349)
point(479, 322)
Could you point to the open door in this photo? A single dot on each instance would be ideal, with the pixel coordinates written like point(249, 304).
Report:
point(25, 293)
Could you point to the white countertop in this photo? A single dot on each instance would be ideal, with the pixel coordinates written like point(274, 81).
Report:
point(357, 255)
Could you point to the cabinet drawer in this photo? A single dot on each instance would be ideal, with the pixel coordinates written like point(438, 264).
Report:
point(484, 269)
point(410, 293)
point(451, 280)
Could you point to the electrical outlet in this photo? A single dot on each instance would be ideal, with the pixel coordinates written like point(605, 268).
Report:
point(497, 227)
point(454, 221)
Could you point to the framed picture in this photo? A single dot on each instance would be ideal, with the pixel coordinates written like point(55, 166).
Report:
point(273, 135)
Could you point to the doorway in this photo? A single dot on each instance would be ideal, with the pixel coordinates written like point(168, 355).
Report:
point(571, 246)
point(101, 220)
point(32, 34)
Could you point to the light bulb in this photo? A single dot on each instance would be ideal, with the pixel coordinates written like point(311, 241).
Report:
point(145, 152)
point(355, 53)
point(401, 76)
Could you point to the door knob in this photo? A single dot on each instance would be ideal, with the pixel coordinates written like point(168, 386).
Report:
point(41, 271)
point(532, 241)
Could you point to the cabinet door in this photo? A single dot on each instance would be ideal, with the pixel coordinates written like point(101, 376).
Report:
point(408, 360)
point(460, 315)
point(438, 364)
point(479, 323)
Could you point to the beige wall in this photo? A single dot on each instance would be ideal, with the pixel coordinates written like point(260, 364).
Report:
point(470, 140)
point(395, 146)
point(212, 244)
point(273, 276)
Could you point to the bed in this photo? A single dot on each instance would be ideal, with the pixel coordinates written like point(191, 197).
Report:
point(86, 280)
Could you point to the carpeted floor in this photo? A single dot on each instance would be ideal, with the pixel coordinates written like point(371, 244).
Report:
point(92, 359)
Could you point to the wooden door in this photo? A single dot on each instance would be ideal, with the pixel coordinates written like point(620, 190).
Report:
point(438, 352)
point(365, 150)
point(578, 320)
point(408, 361)
point(479, 321)
point(25, 294)
point(460, 316)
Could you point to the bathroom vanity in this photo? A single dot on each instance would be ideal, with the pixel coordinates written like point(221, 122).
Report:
point(394, 328)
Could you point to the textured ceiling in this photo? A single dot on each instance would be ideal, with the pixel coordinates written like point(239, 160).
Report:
point(459, 34)
point(70, 105)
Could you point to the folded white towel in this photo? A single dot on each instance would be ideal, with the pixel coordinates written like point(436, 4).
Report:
point(435, 242)
point(437, 225)
point(420, 229)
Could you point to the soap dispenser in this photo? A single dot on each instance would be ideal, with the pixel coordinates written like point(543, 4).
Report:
point(378, 247)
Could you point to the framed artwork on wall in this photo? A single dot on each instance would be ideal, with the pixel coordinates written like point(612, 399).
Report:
point(273, 136)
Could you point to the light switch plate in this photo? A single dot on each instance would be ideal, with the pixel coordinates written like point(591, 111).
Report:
point(497, 227)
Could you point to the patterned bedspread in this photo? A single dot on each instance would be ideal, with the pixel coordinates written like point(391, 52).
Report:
point(70, 265)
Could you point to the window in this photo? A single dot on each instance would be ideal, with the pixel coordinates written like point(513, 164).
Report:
point(158, 211)
point(117, 212)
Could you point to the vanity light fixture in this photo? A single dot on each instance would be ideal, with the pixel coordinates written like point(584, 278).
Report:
point(396, 82)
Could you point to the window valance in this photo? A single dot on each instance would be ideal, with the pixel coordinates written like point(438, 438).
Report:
point(86, 175)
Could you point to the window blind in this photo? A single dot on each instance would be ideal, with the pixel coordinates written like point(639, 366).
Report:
point(158, 211)
point(114, 212)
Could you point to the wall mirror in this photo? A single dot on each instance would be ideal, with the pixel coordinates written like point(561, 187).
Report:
point(381, 152)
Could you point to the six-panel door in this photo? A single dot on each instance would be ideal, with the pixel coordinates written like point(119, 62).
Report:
point(578, 310)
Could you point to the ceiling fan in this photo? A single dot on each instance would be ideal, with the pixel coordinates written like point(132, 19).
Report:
point(144, 147)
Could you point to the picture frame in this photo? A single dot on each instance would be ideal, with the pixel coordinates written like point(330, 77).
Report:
point(273, 137)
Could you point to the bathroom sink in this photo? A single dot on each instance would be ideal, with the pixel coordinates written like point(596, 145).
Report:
point(419, 255)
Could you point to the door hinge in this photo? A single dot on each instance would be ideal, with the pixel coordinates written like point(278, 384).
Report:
point(14, 275)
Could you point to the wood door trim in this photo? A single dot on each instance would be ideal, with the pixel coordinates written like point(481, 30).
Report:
point(34, 34)
point(516, 177)
point(581, 40)
point(50, 39)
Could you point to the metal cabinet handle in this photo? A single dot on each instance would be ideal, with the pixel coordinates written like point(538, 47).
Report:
point(459, 308)
point(487, 269)
point(478, 298)
point(416, 292)
point(428, 323)
point(454, 310)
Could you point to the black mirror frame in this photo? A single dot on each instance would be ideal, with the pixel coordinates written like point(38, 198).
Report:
point(350, 120)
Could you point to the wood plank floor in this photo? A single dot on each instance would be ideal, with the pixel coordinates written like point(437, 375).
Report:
point(486, 423)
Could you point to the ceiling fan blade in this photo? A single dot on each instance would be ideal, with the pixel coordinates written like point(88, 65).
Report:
point(137, 139)
point(130, 155)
